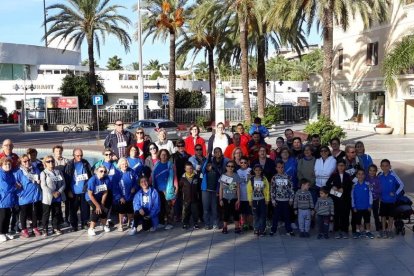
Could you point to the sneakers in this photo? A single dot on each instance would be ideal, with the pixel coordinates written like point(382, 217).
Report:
point(91, 232)
point(185, 226)
point(291, 234)
point(338, 236)
point(36, 232)
point(356, 235)
point(196, 227)
point(369, 235)
point(345, 236)
point(224, 231)
point(120, 228)
point(169, 227)
point(293, 226)
point(3, 238)
point(153, 229)
point(10, 236)
point(24, 234)
point(44, 233)
point(262, 233)
point(160, 226)
point(215, 227)
point(107, 229)
point(133, 231)
point(207, 227)
point(57, 232)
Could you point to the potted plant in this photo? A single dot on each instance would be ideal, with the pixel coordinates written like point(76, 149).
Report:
point(382, 128)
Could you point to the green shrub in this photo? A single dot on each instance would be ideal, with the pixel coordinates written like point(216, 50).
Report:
point(272, 113)
point(200, 121)
point(326, 129)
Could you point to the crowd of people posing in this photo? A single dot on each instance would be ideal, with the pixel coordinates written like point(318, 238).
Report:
point(239, 179)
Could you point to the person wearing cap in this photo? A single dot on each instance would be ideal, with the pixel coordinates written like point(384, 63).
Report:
point(118, 140)
point(8, 153)
point(179, 159)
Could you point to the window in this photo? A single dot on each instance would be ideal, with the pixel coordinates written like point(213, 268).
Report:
point(340, 59)
point(408, 2)
point(372, 54)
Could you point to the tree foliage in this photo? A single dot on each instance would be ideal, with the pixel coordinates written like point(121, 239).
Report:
point(189, 99)
point(157, 74)
point(74, 85)
point(398, 61)
point(114, 63)
point(326, 129)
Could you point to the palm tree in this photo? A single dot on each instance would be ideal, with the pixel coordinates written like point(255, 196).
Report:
point(90, 20)
point(326, 13)
point(153, 64)
point(114, 63)
point(164, 20)
point(207, 28)
point(398, 61)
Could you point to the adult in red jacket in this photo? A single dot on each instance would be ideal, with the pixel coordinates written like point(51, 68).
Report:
point(8, 153)
point(228, 153)
point(193, 139)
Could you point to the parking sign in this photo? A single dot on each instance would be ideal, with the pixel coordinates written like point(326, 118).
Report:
point(97, 100)
point(146, 96)
point(164, 99)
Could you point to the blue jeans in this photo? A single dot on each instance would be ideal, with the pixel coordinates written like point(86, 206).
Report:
point(281, 212)
point(259, 215)
point(210, 208)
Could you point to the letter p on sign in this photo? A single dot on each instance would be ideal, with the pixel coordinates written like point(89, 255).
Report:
point(97, 100)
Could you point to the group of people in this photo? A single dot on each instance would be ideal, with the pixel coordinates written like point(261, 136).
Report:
point(239, 179)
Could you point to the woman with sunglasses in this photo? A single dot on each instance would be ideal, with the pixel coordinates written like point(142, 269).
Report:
point(164, 180)
point(124, 188)
point(151, 160)
point(8, 191)
point(53, 188)
point(30, 196)
point(96, 197)
point(324, 167)
point(194, 139)
point(134, 162)
point(109, 163)
point(142, 143)
point(229, 196)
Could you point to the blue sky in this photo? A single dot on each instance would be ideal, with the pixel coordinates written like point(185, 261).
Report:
point(21, 23)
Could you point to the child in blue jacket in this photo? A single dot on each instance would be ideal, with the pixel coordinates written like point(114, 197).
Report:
point(146, 207)
point(362, 205)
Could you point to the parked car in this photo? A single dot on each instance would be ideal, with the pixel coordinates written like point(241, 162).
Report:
point(152, 126)
point(3, 116)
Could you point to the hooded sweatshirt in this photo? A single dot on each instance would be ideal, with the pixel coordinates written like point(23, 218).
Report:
point(30, 181)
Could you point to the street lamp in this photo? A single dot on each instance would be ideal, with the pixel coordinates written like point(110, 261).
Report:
point(141, 115)
point(25, 88)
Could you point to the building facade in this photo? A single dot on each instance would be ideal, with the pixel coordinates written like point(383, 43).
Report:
point(358, 90)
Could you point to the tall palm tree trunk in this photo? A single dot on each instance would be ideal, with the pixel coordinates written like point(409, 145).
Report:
point(212, 83)
point(171, 77)
point(245, 70)
point(92, 80)
point(327, 62)
point(261, 76)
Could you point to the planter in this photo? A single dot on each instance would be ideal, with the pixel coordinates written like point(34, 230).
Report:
point(383, 130)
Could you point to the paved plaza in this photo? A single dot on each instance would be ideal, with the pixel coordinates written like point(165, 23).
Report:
point(201, 252)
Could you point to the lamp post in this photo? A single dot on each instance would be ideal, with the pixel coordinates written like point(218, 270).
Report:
point(141, 115)
point(24, 87)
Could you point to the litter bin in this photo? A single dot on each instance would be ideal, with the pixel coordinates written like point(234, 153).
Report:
point(45, 126)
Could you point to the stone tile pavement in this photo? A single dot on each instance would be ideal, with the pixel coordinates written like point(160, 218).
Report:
point(202, 252)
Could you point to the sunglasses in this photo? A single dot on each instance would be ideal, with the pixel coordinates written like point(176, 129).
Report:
point(152, 148)
point(199, 149)
point(119, 124)
point(230, 166)
point(102, 171)
point(50, 161)
point(243, 162)
point(108, 154)
point(180, 146)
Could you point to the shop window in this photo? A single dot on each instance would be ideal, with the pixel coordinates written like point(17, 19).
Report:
point(340, 59)
point(372, 54)
point(377, 107)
